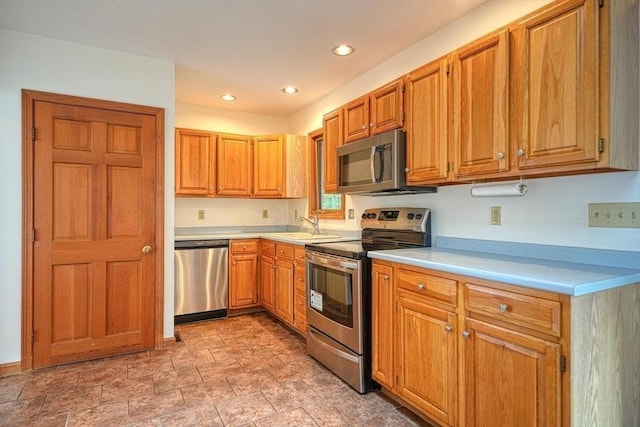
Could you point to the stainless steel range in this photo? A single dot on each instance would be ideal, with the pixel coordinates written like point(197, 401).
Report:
point(339, 290)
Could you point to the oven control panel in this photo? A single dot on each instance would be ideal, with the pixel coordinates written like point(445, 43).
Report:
point(412, 219)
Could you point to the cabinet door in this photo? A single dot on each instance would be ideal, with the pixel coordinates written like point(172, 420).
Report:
point(427, 95)
point(269, 166)
point(480, 106)
point(386, 108)
point(284, 290)
point(235, 165)
point(267, 283)
point(242, 280)
point(356, 119)
point(333, 137)
point(195, 163)
point(426, 359)
point(555, 86)
point(511, 379)
point(382, 325)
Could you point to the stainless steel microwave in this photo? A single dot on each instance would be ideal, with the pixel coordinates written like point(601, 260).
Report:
point(375, 166)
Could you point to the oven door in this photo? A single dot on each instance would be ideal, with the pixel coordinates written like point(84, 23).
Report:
point(334, 298)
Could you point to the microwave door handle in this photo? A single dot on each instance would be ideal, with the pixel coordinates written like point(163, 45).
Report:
point(372, 164)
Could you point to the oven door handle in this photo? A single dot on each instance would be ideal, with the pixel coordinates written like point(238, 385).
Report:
point(337, 264)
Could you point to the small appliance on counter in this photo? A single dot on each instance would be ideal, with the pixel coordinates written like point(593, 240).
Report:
point(339, 290)
point(201, 280)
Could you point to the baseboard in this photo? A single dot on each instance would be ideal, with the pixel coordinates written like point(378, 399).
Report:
point(10, 368)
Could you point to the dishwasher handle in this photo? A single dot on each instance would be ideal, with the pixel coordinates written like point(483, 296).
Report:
point(201, 244)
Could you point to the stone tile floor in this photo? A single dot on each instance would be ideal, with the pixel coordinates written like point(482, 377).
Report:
point(242, 371)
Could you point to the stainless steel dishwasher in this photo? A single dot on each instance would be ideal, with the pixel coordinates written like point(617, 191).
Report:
point(202, 276)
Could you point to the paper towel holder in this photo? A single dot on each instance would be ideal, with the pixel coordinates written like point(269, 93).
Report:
point(499, 190)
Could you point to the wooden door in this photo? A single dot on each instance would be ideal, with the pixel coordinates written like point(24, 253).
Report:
point(267, 283)
point(555, 86)
point(386, 108)
point(427, 96)
point(356, 119)
point(234, 165)
point(333, 138)
point(242, 280)
point(269, 166)
point(426, 361)
point(94, 227)
point(511, 379)
point(480, 106)
point(284, 290)
point(382, 325)
point(195, 163)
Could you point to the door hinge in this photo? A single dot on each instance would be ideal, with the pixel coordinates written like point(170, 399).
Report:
point(601, 145)
point(32, 336)
point(397, 380)
point(33, 235)
point(448, 167)
point(600, 3)
point(563, 364)
point(404, 117)
point(33, 134)
point(402, 88)
point(448, 68)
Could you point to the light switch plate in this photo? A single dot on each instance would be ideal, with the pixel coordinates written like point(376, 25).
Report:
point(614, 215)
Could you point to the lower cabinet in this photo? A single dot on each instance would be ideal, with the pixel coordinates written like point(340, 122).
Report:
point(300, 293)
point(467, 352)
point(243, 273)
point(268, 275)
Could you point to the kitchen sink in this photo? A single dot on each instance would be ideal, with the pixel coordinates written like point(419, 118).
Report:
point(298, 235)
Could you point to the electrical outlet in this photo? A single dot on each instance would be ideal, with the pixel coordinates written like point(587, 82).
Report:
point(265, 213)
point(200, 214)
point(496, 215)
point(615, 215)
point(351, 214)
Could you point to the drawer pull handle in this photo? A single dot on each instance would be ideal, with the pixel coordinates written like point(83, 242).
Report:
point(448, 328)
point(466, 334)
point(503, 308)
point(421, 286)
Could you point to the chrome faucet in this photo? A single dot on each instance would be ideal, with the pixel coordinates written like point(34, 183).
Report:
point(315, 223)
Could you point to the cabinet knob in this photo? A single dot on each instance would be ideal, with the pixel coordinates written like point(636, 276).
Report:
point(364, 126)
point(448, 328)
point(520, 152)
point(371, 125)
point(385, 277)
point(503, 308)
point(500, 155)
point(233, 263)
point(465, 334)
point(407, 170)
point(420, 286)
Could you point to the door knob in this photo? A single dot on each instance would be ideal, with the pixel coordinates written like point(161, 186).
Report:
point(146, 249)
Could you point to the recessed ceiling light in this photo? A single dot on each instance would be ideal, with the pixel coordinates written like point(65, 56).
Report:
point(343, 50)
point(290, 89)
point(228, 97)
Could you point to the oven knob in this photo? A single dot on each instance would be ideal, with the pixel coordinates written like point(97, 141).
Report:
point(409, 216)
point(371, 215)
point(418, 216)
point(364, 216)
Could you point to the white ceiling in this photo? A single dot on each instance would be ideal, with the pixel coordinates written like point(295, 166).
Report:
point(250, 48)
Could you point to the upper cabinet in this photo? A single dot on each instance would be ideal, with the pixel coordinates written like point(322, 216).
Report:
point(481, 106)
point(427, 125)
point(211, 164)
point(376, 112)
point(195, 163)
point(333, 137)
point(235, 165)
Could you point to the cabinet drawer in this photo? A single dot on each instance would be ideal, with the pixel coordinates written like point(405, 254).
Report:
point(426, 285)
point(300, 277)
point(243, 247)
point(268, 248)
point(523, 310)
point(299, 254)
point(284, 251)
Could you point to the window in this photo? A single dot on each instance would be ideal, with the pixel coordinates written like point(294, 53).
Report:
point(331, 206)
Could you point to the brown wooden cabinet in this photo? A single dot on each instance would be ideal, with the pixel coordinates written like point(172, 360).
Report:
point(300, 295)
point(284, 282)
point(376, 112)
point(333, 138)
point(268, 275)
point(195, 163)
point(481, 106)
point(279, 166)
point(235, 165)
point(243, 273)
point(504, 342)
point(427, 101)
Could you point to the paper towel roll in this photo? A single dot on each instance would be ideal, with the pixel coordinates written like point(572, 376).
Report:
point(498, 190)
